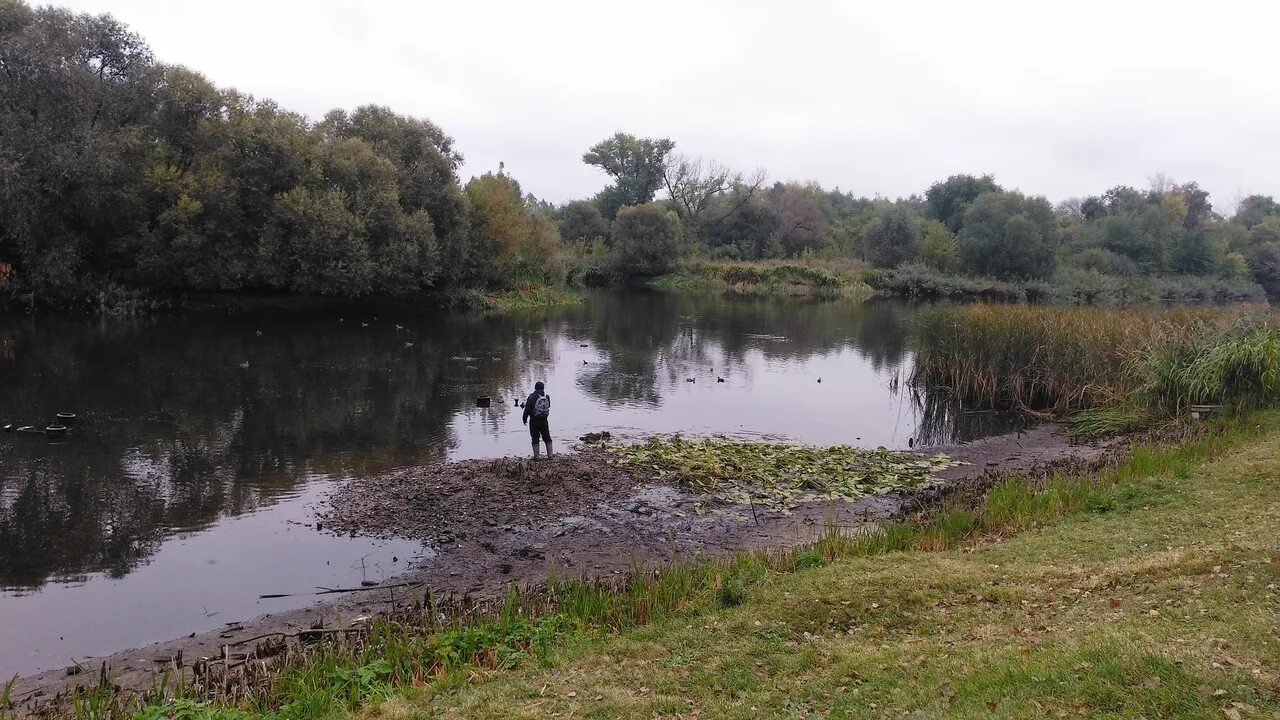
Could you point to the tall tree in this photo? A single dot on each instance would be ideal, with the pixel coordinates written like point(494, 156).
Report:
point(582, 221)
point(738, 226)
point(893, 237)
point(636, 166)
point(1254, 209)
point(948, 199)
point(694, 184)
point(801, 224)
point(1008, 235)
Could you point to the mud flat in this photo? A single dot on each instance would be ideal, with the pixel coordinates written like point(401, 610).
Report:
point(497, 522)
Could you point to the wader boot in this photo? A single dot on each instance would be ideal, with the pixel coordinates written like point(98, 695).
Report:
point(535, 452)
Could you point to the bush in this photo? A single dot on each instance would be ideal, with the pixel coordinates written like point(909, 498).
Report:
point(646, 240)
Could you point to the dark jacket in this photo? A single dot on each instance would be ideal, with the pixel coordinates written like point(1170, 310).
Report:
point(528, 405)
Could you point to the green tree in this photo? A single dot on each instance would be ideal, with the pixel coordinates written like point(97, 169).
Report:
point(582, 221)
point(519, 247)
point(893, 237)
point(1008, 235)
point(1254, 209)
point(1127, 235)
point(938, 246)
point(636, 165)
point(426, 174)
point(313, 244)
point(947, 200)
point(738, 226)
point(73, 145)
point(1193, 252)
point(801, 224)
point(1264, 261)
point(646, 240)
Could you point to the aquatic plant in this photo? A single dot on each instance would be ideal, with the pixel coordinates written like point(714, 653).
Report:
point(776, 475)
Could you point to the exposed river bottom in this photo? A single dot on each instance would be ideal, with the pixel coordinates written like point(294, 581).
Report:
point(488, 524)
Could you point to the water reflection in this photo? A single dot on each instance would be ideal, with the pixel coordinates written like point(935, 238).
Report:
point(185, 421)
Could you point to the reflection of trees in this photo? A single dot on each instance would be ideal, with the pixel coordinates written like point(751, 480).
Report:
point(175, 433)
point(685, 334)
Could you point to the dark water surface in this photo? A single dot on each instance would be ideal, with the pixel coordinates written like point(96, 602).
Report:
point(203, 441)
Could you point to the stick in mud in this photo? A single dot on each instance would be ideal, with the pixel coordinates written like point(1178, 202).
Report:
point(335, 591)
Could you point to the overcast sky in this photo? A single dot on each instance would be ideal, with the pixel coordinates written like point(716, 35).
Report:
point(1060, 99)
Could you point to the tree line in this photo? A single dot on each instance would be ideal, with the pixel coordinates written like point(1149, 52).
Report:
point(120, 174)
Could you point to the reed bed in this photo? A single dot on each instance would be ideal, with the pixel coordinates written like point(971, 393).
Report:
point(1061, 360)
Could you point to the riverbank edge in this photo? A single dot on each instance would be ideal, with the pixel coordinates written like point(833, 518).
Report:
point(144, 303)
point(987, 462)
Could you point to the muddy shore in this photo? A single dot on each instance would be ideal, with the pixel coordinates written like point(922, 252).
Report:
point(571, 516)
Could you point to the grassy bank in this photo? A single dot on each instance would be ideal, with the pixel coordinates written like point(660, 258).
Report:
point(529, 297)
point(1128, 364)
point(1084, 594)
point(1151, 593)
point(1069, 286)
point(790, 279)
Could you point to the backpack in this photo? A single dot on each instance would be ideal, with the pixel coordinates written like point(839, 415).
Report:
point(542, 406)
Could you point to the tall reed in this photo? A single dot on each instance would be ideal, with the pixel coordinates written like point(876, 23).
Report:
point(1065, 359)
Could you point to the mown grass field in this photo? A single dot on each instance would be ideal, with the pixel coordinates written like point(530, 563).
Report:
point(1154, 598)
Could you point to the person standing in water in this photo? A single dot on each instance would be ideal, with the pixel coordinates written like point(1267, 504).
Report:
point(536, 409)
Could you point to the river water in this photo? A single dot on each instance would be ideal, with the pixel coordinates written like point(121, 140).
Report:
point(203, 441)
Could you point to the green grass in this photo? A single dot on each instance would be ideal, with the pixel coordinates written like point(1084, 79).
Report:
point(1037, 599)
point(1146, 592)
point(779, 278)
point(530, 297)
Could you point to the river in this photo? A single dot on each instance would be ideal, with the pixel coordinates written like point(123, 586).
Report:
point(203, 441)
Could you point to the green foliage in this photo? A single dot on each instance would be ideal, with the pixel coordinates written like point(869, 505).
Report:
point(646, 240)
point(582, 221)
point(893, 237)
point(1147, 364)
point(786, 278)
point(1264, 261)
point(776, 475)
point(801, 223)
point(938, 248)
point(1254, 209)
point(948, 200)
point(158, 179)
point(738, 227)
point(1206, 363)
point(519, 246)
point(636, 166)
point(1008, 235)
point(1101, 260)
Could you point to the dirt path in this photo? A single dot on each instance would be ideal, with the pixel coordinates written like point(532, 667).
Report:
point(571, 516)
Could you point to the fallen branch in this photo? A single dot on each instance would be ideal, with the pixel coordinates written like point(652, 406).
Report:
point(335, 591)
